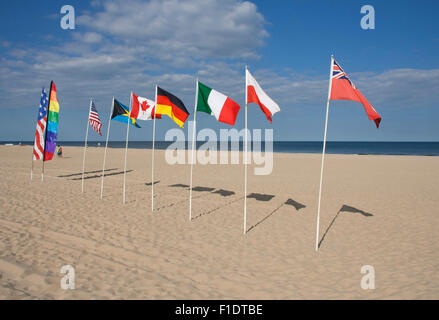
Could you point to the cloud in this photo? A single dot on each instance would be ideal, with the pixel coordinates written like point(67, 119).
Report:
point(174, 28)
point(88, 37)
point(401, 87)
point(194, 38)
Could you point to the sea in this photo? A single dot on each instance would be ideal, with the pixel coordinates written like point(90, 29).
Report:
point(332, 147)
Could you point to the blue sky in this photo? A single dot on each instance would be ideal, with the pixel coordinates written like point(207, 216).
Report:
point(119, 46)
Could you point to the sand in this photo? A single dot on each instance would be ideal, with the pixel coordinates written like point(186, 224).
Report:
point(376, 210)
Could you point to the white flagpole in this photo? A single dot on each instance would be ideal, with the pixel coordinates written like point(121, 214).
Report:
point(153, 141)
point(42, 170)
point(323, 153)
point(245, 157)
point(106, 146)
point(193, 149)
point(32, 167)
point(126, 148)
point(85, 145)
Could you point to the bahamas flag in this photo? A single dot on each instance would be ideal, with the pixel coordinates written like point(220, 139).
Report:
point(121, 113)
point(52, 124)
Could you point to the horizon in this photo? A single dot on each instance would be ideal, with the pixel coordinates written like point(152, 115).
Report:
point(123, 141)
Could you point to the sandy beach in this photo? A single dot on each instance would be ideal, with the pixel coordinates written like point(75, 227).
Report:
point(376, 210)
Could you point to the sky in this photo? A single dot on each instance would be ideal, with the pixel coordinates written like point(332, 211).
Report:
point(131, 45)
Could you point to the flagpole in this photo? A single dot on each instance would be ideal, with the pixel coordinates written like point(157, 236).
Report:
point(245, 157)
point(32, 167)
point(323, 153)
point(153, 146)
point(45, 131)
point(193, 149)
point(42, 170)
point(105, 152)
point(126, 148)
point(85, 145)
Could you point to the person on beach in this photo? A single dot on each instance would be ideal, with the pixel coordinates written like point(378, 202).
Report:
point(59, 151)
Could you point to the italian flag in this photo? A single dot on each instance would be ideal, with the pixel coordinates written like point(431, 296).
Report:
point(217, 104)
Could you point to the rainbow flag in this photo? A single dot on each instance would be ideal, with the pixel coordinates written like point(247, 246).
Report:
point(52, 124)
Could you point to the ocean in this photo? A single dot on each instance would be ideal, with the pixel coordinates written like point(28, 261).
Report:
point(332, 147)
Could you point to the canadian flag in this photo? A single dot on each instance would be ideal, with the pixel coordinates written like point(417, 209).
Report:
point(255, 94)
point(143, 109)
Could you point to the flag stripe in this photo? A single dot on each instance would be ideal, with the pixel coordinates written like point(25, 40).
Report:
point(203, 96)
point(229, 112)
point(216, 102)
point(171, 106)
point(38, 149)
point(255, 94)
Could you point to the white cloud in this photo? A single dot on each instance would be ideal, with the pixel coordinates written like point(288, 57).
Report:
point(91, 37)
point(402, 87)
point(174, 28)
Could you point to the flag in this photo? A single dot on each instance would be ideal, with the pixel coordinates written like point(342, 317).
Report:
point(52, 124)
point(255, 94)
point(94, 120)
point(41, 127)
point(217, 104)
point(344, 89)
point(172, 106)
point(143, 109)
point(120, 113)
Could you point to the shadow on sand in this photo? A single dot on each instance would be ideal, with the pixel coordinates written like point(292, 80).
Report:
point(100, 175)
point(290, 202)
point(80, 173)
point(260, 196)
point(344, 208)
point(220, 207)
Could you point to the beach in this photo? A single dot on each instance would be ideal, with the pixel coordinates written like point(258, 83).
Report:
point(380, 211)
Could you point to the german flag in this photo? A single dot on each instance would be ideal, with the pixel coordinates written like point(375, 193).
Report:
point(170, 105)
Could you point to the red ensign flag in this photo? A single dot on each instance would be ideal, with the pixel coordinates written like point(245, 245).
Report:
point(344, 89)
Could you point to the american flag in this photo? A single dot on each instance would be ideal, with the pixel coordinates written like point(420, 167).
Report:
point(93, 119)
point(41, 127)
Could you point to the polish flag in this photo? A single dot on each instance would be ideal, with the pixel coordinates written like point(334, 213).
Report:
point(143, 109)
point(255, 94)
